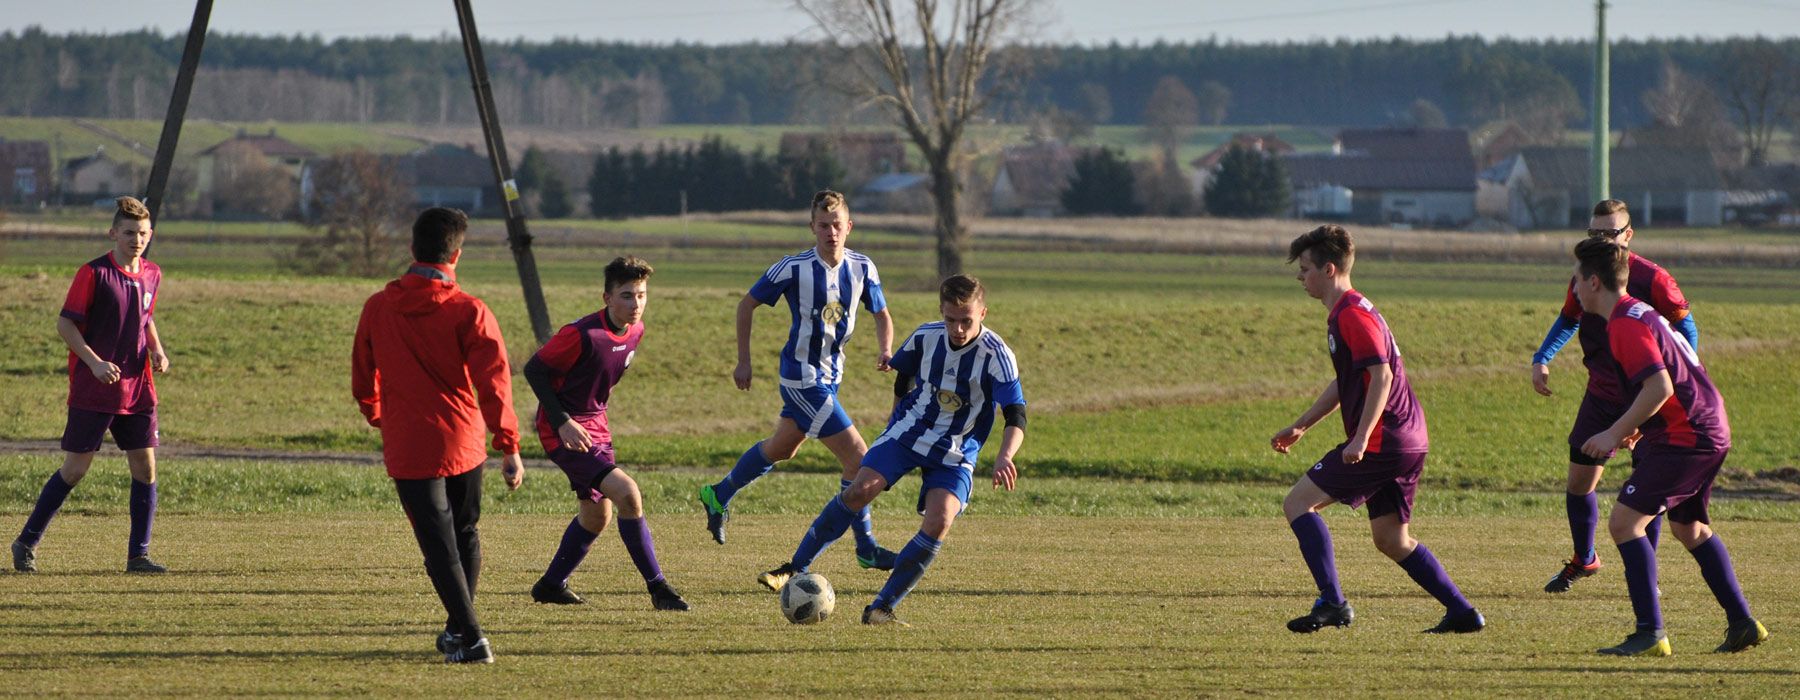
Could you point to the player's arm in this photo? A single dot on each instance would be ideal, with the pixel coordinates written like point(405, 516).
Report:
point(1321, 407)
point(541, 372)
point(1006, 473)
point(1561, 330)
point(159, 360)
point(884, 336)
point(1636, 351)
point(903, 382)
point(1667, 299)
point(104, 371)
point(492, 377)
point(1657, 389)
point(1381, 384)
point(365, 377)
point(746, 315)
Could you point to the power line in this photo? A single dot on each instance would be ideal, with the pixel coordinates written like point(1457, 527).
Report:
point(1291, 14)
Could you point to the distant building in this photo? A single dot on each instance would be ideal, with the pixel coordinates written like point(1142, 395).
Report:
point(895, 193)
point(224, 160)
point(1413, 177)
point(440, 175)
point(864, 155)
point(96, 177)
point(1031, 179)
point(1665, 186)
point(25, 173)
point(1500, 193)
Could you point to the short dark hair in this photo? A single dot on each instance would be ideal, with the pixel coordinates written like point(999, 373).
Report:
point(1603, 258)
point(1608, 207)
point(438, 233)
point(961, 289)
point(1327, 244)
point(625, 270)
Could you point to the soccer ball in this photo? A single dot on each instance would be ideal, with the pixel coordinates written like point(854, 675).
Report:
point(807, 599)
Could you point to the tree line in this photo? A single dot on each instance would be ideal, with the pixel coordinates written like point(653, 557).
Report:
point(575, 84)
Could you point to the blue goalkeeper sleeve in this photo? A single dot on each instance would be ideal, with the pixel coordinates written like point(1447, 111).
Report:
point(1560, 332)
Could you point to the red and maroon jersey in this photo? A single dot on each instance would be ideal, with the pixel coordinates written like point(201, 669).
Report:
point(588, 360)
point(1643, 344)
point(112, 307)
point(1646, 281)
point(1358, 338)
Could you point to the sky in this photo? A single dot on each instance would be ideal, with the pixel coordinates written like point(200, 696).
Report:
point(1067, 21)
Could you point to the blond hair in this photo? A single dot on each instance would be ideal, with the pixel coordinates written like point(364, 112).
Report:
point(827, 201)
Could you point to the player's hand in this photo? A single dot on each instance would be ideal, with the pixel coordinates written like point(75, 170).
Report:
point(1353, 451)
point(741, 376)
point(106, 372)
point(881, 362)
point(1540, 379)
point(575, 437)
point(512, 470)
point(1631, 441)
point(1005, 472)
point(159, 361)
point(1286, 438)
point(1600, 444)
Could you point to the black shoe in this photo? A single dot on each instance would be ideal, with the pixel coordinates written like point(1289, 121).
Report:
point(447, 642)
point(478, 653)
point(1572, 571)
point(882, 560)
point(1460, 623)
point(1323, 615)
point(1642, 643)
point(143, 565)
point(1742, 635)
point(546, 591)
point(664, 597)
point(24, 558)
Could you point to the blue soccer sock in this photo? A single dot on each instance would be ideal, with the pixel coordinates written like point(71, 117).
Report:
point(833, 520)
point(49, 500)
point(1715, 567)
point(863, 527)
point(1584, 516)
point(750, 467)
point(576, 541)
point(1315, 548)
point(1640, 579)
point(143, 515)
point(909, 567)
point(1429, 574)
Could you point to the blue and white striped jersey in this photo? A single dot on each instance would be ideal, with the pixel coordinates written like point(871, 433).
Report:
point(950, 410)
point(823, 302)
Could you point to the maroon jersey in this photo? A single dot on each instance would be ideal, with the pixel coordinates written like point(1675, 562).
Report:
point(1646, 281)
point(1358, 338)
point(112, 308)
point(588, 359)
point(1643, 343)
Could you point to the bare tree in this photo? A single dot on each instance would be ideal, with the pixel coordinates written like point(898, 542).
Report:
point(1760, 90)
point(951, 60)
point(1686, 112)
point(1172, 108)
point(1214, 100)
point(359, 206)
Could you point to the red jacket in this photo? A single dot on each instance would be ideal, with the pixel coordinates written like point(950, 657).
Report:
point(429, 368)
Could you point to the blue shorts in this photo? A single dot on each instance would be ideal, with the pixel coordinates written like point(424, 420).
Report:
point(815, 409)
point(892, 461)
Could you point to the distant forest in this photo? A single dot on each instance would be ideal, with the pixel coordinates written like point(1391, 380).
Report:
point(567, 84)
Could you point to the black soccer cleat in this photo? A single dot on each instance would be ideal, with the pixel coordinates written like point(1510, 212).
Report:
point(478, 653)
point(1742, 635)
point(1642, 643)
point(882, 560)
point(1459, 623)
point(143, 565)
point(664, 597)
point(716, 513)
point(547, 591)
point(1323, 615)
point(1571, 572)
point(24, 558)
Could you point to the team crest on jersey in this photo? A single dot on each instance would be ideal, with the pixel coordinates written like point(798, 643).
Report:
point(949, 401)
point(832, 313)
point(146, 301)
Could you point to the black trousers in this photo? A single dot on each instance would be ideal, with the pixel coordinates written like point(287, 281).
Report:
point(444, 513)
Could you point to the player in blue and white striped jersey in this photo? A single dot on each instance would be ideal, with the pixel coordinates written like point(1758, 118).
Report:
point(953, 374)
point(822, 287)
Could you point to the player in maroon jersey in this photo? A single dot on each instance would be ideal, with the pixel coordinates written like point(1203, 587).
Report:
point(107, 323)
point(1685, 436)
point(573, 376)
point(1384, 451)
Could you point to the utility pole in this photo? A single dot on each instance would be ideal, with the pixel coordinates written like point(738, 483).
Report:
point(1600, 182)
point(517, 237)
point(178, 104)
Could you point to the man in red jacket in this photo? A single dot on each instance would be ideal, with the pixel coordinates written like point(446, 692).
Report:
point(429, 369)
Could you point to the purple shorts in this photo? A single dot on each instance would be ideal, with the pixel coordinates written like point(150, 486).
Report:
point(1384, 481)
point(1678, 480)
point(585, 469)
point(1594, 417)
point(130, 431)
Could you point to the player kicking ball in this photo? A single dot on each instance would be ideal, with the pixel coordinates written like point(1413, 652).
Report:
point(1603, 402)
point(107, 323)
point(573, 376)
point(952, 375)
point(1383, 454)
point(1685, 437)
point(822, 287)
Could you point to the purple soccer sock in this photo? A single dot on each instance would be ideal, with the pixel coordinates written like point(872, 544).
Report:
point(49, 500)
point(1715, 567)
point(1653, 532)
point(1640, 579)
point(576, 541)
point(1584, 516)
point(636, 534)
point(1429, 574)
point(143, 515)
point(1315, 548)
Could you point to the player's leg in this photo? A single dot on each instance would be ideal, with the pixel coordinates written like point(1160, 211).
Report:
point(781, 446)
point(81, 438)
point(1582, 503)
point(946, 492)
point(634, 530)
point(1301, 507)
point(849, 447)
point(837, 515)
point(1626, 524)
point(428, 509)
point(1689, 522)
point(1394, 539)
point(584, 470)
point(464, 493)
point(143, 511)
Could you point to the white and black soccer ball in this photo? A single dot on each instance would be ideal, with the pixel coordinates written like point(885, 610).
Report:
point(807, 599)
